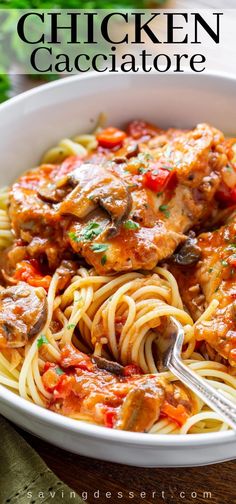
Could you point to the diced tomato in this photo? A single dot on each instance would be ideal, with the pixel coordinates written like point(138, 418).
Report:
point(64, 386)
point(139, 129)
point(132, 369)
point(110, 418)
point(111, 137)
point(176, 413)
point(50, 379)
point(28, 272)
point(70, 356)
point(157, 178)
point(226, 196)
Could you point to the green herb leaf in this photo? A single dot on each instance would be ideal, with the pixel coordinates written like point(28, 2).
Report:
point(164, 210)
point(224, 263)
point(42, 341)
point(91, 231)
point(99, 247)
point(71, 326)
point(130, 224)
point(103, 260)
point(73, 237)
point(159, 193)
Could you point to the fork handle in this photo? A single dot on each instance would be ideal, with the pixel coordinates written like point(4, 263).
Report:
point(214, 399)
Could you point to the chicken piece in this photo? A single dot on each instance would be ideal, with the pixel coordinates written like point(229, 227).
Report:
point(129, 250)
point(112, 211)
point(23, 313)
point(156, 223)
point(35, 222)
point(213, 277)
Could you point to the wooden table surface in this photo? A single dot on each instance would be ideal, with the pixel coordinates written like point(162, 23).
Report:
point(179, 485)
point(172, 486)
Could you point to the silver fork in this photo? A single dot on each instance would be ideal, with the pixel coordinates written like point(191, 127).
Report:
point(169, 355)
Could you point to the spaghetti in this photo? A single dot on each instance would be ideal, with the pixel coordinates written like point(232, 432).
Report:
point(6, 237)
point(89, 307)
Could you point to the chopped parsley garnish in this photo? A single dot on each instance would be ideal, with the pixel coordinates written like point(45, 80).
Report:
point(71, 326)
point(143, 170)
point(42, 341)
point(89, 232)
point(164, 210)
point(73, 237)
point(229, 168)
point(103, 260)
point(59, 371)
point(130, 224)
point(99, 247)
point(210, 270)
point(224, 263)
point(146, 155)
point(159, 193)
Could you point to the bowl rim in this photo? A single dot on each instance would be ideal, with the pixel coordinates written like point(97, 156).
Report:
point(45, 416)
point(45, 87)
point(53, 419)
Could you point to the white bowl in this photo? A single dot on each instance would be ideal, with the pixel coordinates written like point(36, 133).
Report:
point(36, 120)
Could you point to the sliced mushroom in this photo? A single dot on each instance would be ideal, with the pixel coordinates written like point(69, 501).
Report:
point(95, 185)
point(51, 193)
point(23, 313)
point(110, 366)
point(66, 271)
point(141, 407)
point(188, 254)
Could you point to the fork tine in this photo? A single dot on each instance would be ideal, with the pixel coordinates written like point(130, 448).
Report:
point(169, 349)
point(169, 342)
